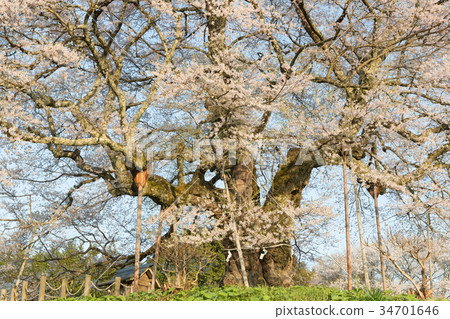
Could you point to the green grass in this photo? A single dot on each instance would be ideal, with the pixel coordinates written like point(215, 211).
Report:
point(314, 293)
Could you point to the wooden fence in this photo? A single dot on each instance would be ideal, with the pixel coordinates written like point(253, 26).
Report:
point(62, 291)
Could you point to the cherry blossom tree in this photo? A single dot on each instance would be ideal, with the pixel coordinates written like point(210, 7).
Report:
point(105, 86)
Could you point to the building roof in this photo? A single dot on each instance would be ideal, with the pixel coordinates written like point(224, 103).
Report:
point(128, 273)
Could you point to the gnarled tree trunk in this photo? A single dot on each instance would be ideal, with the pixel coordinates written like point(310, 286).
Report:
point(277, 265)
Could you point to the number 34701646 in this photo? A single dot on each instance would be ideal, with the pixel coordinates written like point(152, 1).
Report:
point(409, 310)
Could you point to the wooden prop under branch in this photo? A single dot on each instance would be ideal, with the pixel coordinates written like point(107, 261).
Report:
point(141, 178)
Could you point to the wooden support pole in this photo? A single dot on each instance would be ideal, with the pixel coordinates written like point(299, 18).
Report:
point(117, 286)
point(157, 245)
point(380, 242)
point(430, 266)
point(347, 221)
point(14, 294)
point(63, 293)
point(361, 232)
point(3, 296)
point(87, 286)
point(42, 288)
point(237, 240)
point(239, 250)
point(377, 188)
point(140, 180)
point(137, 253)
point(24, 290)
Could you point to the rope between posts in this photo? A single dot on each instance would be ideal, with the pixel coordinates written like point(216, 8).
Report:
point(75, 293)
point(31, 291)
point(54, 289)
point(95, 287)
point(110, 286)
point(102, 289)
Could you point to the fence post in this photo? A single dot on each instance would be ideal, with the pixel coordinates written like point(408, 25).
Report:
point(63, 288)
point(42, 288)
point(24, 290)
point(117, 286)
point(3, 296)
point(87, 286)
point(14, 294)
